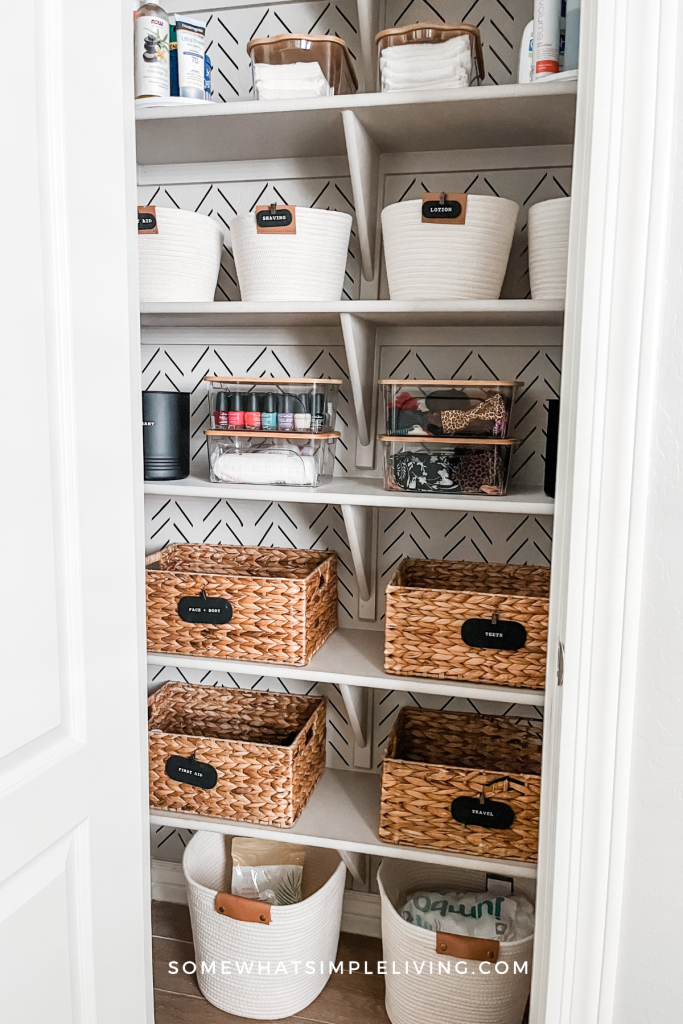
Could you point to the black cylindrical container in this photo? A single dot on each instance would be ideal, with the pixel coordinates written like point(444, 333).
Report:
point(166, 434)
point(551, 447)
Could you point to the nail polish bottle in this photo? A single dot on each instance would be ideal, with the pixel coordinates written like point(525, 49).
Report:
point(252, 417)
point(302, 415)
point(269, 411)
point(285, 415)
point(236, 414)
point(318, 413)
point(221, 413)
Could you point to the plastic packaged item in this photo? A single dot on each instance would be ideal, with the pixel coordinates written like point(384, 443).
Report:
point(191, 43)
point(267, 870)
point(427, 56)
point(448, 260)
point(447, 408)
point(481, 915)
point(152, 52)
point(275, 457)
point(305, 265)
point(447, 465)
point(311, 405)
point(293, 66)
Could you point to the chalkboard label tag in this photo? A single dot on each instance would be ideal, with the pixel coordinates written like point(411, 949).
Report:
point(275, 220)
point(497, 636)
point(444, 207)
point(147, 220)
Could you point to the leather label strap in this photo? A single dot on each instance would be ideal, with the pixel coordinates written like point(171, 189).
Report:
point(241, 909)
point(466, 947)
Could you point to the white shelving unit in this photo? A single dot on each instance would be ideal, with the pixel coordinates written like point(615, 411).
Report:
point(366, 137)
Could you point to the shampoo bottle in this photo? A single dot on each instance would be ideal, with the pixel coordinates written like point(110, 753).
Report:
point(152, 52)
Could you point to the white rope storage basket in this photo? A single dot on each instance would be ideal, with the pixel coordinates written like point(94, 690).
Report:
point(469, 997)
point(306, 932)
point(307, 266)
point(448, 261)
point(548, 248)
point(181, 262)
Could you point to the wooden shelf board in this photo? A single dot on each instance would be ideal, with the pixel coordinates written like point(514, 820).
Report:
point(466, 313)
point(475, 118)
point(343, 814)
point(355, 657)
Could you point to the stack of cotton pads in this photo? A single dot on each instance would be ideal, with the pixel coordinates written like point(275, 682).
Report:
point(427, 65)
point(290, 81)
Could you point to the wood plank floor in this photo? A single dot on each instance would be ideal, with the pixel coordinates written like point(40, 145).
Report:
point(346, 999)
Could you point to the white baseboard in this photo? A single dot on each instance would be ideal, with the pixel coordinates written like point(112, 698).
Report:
point(360, 915)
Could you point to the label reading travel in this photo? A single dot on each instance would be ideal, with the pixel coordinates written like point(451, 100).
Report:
point(467, 810)
point(192, 772)
point(444, 207)
point(498, 636)
point(275, 220)
point(147, 220)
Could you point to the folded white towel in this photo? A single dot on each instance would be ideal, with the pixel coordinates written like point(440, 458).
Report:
point(456, 45)
point(290, 81)
point(460, 80)
point(273, 466)
point(411, 67)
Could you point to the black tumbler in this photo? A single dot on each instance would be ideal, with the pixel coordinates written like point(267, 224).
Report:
point(551, 447)
point(166, 434)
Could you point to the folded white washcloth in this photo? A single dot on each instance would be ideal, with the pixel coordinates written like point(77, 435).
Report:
point(410, 67)
point(426, 75)
point(273, 466)
point(290, 81)
point(456, 45)
point(460, 80)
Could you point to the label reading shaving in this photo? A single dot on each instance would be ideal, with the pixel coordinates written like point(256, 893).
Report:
point(275, 220)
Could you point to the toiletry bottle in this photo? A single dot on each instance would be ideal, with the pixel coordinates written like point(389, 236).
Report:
point(317, 412)
point(152, 64)
point(269, 411)
point(191, 45)
point(173, 59)
point(207, 77)
point(302, 415)
point(221, 415)
point(546, 37)
point(236, 414)
point(252, 416)
point(285, 416)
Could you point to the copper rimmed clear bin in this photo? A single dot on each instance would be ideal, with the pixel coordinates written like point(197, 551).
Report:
point(257, 457)
point(312, 404)
point(454, 59)
point(447, 465)
point(278, 71)
point(449, 408)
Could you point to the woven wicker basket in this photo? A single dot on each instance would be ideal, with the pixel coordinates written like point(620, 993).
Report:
point(283, 601)
point(429, 601)
point(434, 757)
point(263, 774)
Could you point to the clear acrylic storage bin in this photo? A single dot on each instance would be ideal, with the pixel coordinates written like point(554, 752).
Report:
point(293, 66)
point(447, 465)
point(284, 404)
point(449, 408)
point(429, 56)
point(256, 457)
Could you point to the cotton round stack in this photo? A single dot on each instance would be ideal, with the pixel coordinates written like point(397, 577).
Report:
point(265, 976)
point(548, 247)
point(448, 261)
point(427, 65)
point(308, 266)
point(181, 262)
point(442, 992)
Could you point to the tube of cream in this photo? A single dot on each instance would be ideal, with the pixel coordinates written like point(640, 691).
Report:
point(546, 37)
point(191, 43)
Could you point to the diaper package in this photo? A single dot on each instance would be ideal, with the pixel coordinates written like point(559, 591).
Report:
point(481, 915)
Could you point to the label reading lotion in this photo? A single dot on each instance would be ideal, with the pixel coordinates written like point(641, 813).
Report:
point(147, 220)
point(444, 207)
point(275, 220)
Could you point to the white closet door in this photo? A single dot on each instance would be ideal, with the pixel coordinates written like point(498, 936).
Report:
point(74, 942)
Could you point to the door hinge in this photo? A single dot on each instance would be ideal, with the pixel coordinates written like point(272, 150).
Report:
point(560, 663)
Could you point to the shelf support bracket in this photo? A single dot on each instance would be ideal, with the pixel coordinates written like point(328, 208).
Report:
point(357, 864)
point(368, 26)
point(362, 356)
point(359, 709)
point(363, 156)
point(361, 522)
